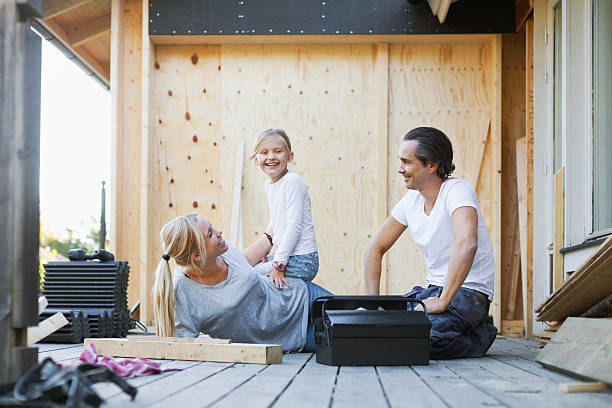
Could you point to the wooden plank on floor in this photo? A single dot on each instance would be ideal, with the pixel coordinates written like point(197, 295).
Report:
point(312, 387)
point(434, 369)
point(169, 350)
point(266, 386)
point(168, 390)
point(404, 388)
point(211, 389)
point(63, 354)
point(582, 347)
point(457, 392)
point(358, 386)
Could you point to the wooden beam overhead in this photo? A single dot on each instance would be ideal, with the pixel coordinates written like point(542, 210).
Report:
point(53, 8)
point(86, 31)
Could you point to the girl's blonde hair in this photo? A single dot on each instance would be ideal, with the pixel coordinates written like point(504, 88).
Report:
point(268, 134)
point(181, 239)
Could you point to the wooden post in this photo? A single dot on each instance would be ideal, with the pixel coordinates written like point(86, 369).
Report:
point(528, 274)
point(559, 227)
point(496, 76)
point(126, 148)
point(382, 143)
point(20, 55)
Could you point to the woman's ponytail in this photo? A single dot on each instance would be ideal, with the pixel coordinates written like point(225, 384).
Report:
point(163, 300)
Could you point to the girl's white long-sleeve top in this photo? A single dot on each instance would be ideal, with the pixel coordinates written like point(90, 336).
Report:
point(290, 217)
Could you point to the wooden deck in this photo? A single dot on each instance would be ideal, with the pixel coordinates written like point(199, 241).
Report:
point(507, 377)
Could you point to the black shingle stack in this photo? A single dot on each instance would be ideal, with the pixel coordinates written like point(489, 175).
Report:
point(91, 294)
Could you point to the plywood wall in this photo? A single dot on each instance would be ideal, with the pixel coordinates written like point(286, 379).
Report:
point(345, 107)
point(207, 98)
point(447, 86)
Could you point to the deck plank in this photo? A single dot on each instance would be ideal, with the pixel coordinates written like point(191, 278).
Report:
point(358, 386)
point(171, 389)
point(519, 389)
point(267, 385)
point(312, 388)
point(204, 390)
point(404, 388)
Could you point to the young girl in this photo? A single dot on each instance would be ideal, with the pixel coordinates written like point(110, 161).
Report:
point(291, 222)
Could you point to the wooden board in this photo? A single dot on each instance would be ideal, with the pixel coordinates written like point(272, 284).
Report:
point(46, 327)
point(559, 228)
point(586, 287)
point(529, 134)
point(514, 328)
point(197, 351)
point(581, 346)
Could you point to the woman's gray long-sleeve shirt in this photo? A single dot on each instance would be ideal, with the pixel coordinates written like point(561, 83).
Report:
point(246, 307)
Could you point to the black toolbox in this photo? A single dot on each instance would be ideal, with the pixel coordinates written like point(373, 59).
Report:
point(370, 330)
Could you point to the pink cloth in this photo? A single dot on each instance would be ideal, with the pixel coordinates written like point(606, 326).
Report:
point(127, 368)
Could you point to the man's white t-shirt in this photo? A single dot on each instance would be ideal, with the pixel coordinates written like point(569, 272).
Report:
point(434, 234)
point(290, 217)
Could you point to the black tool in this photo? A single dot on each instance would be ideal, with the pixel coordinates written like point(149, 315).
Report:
point(99, 254)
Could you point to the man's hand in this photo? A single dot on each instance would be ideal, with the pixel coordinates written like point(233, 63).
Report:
point(434, 305)
point(278, 278)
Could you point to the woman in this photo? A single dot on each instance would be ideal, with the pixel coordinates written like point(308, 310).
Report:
point(217, 291)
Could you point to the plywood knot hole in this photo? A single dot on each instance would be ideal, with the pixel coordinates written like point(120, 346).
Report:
point(369, 236)
point(169, 92)
point(211, 181)
point(159, 121)
point(205, 170)
point(167, 168)
point(188, 157)
point(214, 143)
point(263, 91)
point(213, 206)
point(195, 138)
point(171, 181)
point(310, 137)
point(187, 116)
point(194, 59)
point(301, 93)
point(204, 90)
point(326, 92)
point(341, 269)
point(339, 158)
point(352, 90)
point(289, 86)
point(238, 91)
point(195, 204)
point(209, 123)
point(170, 205)
point(218, 67)
point(156, 65)
point(239, 69)
point(344, 234)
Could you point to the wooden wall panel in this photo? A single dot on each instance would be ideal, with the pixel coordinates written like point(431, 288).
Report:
point(323, 96)
point(447, 86)
point(513, 128)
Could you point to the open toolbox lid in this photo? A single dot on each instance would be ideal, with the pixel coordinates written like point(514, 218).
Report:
point(369, 316)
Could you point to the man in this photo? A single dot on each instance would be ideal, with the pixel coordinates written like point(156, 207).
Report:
point(444, 218)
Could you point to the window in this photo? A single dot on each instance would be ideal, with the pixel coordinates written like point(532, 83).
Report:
point(602, 115)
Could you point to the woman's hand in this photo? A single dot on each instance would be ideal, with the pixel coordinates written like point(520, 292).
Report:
point(277, 277)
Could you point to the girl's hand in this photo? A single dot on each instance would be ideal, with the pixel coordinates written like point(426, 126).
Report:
point(278, 278)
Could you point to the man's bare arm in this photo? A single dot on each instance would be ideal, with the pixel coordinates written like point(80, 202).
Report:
point(465, 228)
point(384, 239)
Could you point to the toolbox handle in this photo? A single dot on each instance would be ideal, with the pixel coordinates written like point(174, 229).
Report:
point(381, 299)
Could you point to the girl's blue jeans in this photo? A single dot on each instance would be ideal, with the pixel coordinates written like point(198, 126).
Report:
point(303, 267)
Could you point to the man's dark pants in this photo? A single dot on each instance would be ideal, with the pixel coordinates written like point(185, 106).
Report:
point(464, 330)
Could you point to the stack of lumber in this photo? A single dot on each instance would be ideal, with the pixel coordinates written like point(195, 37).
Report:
point(92, 295)
point(589, 285)
point(548, 332)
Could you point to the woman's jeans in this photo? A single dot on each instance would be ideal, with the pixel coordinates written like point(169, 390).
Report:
point(303, 267)
point(314, 291)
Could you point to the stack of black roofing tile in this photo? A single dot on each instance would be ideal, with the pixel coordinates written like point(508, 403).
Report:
point(91, 294)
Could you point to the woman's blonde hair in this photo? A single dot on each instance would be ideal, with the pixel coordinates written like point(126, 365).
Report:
point(181, 239)
point(268, 134)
